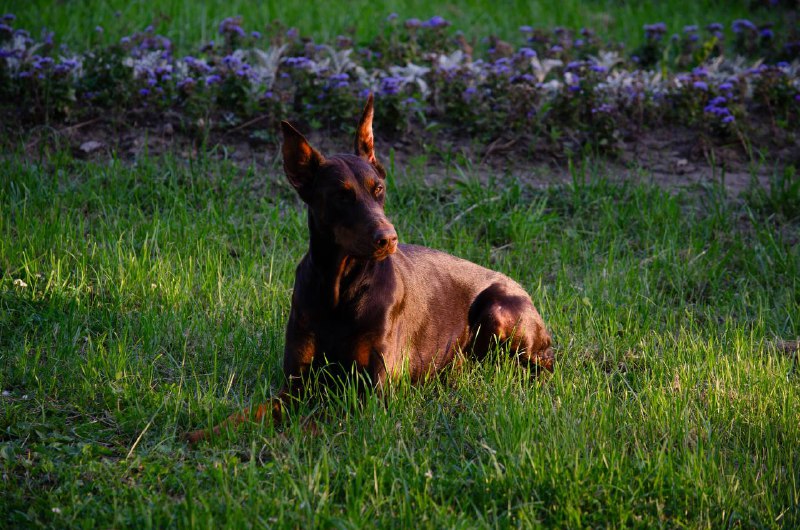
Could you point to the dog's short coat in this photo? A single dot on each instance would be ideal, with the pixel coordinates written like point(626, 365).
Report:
point(362, 301)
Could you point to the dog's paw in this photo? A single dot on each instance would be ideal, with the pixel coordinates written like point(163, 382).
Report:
point(195, 437)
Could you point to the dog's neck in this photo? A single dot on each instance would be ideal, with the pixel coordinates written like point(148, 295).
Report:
point(333, 267)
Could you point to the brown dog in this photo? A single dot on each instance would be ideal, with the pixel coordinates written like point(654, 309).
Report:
point(362, 301)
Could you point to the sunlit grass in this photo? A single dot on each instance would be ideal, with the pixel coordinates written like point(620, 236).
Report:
point(139, 302)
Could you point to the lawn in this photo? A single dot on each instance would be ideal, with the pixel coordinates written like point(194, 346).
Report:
point(139, 302)
point(145, 297)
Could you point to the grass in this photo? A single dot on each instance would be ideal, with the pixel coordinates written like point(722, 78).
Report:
point(189, 24)
point(140, 302)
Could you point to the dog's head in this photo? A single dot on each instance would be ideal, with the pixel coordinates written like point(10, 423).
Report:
point(345, 193)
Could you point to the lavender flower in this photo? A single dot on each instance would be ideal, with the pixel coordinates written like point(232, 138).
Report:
point(9, 17)
point(413, 23)
point(144, 92)
point(526, 29)
point(700, 85)
point(714, 27)
point(390, 86)
point(213, 79)
point(392, 17)
point(232, 26)
point(527, 53)
point(743, 24)
point(436, 22)
point(728, 119)
point(655, 31)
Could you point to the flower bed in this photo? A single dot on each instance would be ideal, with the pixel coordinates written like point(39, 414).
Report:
point(424, 73)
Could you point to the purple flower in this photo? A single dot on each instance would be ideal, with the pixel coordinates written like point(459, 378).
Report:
point(689, 29)
point(700, 85)
point(23, 75)
point(526, 53)
point(9, 17)
point(714, 26)
point(766, 33)
point(726, 86)
point(187, 82)
point(573, 65)
point(5, 28)
point(728, 119)
point(578, 43)
point(232, 25)
point(124, 40)
point(391, 17)
point(413, 23)
point(149, 29)
point(255, 34)
point(719, 100)
point(719, 111)
point(144, 92)
point(700, 71)
point(297, 62)
point(797, 97)
point(604, 108)
point(599, 68)
point(390, 85)
point(742, 24)
point(409, 101)
point(268, 94)
point(98, 29)
point(526, 29)
point(212, 79)
point(436, 22)
point(655, 31)
point(292, 33)
point(556, 49)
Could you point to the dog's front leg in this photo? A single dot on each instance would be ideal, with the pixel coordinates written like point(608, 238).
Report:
point(298, 354)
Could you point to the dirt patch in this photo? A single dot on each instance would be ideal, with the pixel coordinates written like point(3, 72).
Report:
point(674, 158)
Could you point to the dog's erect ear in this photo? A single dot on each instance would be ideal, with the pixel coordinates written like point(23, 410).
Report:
point(365, 141)
point(300, 160)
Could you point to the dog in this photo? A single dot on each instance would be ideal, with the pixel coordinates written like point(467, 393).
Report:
point(364, 302)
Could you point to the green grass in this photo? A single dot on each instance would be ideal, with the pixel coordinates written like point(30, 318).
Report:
point(190, 24)
point(156, 300)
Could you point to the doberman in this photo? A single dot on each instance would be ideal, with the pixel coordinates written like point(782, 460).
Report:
point(362, 301)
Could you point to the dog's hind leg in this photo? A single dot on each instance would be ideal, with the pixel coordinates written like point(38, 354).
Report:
point(499, 313)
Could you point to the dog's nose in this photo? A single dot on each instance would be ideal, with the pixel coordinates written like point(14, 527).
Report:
point(385, 239)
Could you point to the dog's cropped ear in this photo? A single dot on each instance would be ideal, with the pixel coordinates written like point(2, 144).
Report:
point(365, 141)
point(300, 160)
